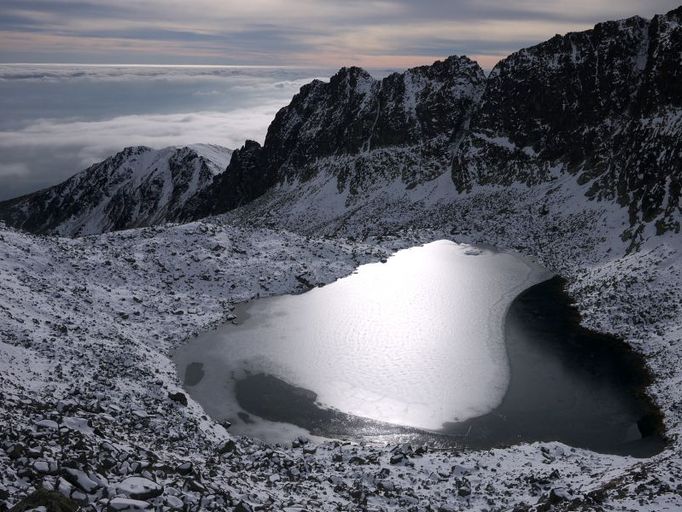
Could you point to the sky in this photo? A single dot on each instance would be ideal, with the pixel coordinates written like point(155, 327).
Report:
point(370, 33)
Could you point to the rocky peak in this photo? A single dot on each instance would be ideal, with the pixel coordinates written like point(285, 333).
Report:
point(351, 80)
point(340, 125)
point(602, 105)
point(354, 113)
point(137, 186)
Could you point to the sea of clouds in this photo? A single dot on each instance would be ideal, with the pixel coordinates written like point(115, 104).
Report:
point(59, 119)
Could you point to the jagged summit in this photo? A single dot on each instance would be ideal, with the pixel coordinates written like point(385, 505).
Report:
point(355, 126)
point(602, 105)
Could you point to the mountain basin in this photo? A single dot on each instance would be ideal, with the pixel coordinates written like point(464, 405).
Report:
point(447, 344)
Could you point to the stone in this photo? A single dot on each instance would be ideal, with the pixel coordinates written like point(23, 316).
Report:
point(179, 398)
point(127, 505)
point(52, 501)
point(140, 488)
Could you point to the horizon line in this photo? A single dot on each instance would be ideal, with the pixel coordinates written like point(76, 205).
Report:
point(104, 65)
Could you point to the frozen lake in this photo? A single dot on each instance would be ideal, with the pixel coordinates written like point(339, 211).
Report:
point(421, 343)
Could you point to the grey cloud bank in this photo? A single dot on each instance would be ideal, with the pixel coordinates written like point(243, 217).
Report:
point(60, 119)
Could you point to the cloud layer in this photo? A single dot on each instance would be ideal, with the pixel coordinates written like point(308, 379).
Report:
point(49, 151)
point(60, 119)
point(298, 32)
point(94, 140)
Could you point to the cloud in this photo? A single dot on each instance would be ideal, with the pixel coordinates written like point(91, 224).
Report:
point(292, 31)
point(49, 151)
point(13, 169)
point(94, 140)
point(247, 77)
point(59, 119)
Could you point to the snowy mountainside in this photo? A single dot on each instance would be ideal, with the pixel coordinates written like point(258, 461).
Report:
point(594, 114)
point(360, 129)
point(604, 105)
point(138, 186)
point(90, 395)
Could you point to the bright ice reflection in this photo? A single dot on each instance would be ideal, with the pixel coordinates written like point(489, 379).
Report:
point(417, 341)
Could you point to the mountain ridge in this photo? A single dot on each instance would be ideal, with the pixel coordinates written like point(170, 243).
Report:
point(137, 186)
point(602, 107)
point(596, 113)
point(356, 117)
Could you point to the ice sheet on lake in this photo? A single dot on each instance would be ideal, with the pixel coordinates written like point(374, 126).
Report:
point(417, 341)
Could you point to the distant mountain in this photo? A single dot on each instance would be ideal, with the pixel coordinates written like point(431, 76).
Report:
point(138, 186)
point(597, 112)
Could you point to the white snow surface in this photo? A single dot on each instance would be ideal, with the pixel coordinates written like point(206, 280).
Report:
point(89, 325)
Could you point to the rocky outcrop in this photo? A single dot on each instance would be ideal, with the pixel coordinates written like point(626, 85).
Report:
point(603, 105)
point(247, 177)
point(424, 108)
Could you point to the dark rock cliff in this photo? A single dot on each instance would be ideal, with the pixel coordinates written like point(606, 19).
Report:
point(603, 105)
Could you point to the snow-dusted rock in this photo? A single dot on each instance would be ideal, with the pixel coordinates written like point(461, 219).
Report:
point(47, 424)
point(140, 488)
point(127, 505)
point(138, 186)
point(80, 479)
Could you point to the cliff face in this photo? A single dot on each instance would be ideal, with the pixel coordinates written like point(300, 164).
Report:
point(246, 178)
point(603, 105)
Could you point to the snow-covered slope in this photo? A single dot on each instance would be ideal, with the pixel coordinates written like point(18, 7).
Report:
point(359, 129)
point(89, 393)
point(138, 186)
